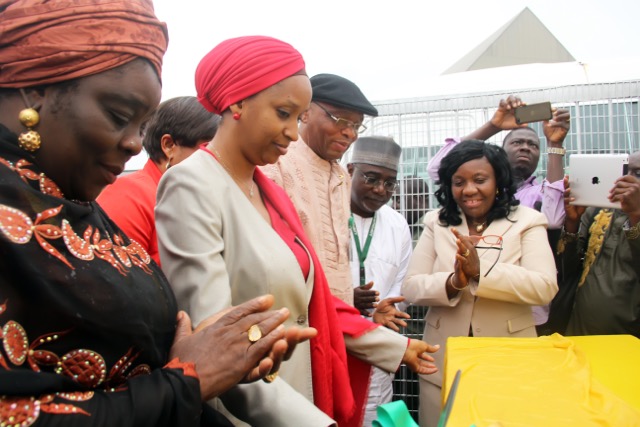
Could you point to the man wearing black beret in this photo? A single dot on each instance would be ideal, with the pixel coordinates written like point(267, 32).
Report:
point(317, 184)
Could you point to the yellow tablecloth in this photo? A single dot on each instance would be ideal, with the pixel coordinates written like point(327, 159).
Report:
point(547, 381)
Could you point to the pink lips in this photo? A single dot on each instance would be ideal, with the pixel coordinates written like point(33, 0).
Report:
point(282, 149)
point(472, 203)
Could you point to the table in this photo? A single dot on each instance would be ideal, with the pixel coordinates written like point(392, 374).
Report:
point(545, 381)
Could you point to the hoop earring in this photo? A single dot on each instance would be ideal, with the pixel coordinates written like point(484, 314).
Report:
point(236, 116)
point(29, 117)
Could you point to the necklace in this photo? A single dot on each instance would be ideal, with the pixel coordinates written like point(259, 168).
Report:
point(480, 227)
point(224, 165)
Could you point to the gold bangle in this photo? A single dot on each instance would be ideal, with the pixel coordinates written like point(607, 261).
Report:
point(450, 280)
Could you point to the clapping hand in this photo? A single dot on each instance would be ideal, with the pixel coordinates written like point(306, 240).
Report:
point(241, 344)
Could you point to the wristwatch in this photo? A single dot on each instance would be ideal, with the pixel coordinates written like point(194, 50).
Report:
point(557, 150)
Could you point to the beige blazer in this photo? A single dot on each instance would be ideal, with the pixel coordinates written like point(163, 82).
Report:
point(217, 250)
point(499, 305)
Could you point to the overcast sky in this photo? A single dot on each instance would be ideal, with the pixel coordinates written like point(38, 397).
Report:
point(388, 48)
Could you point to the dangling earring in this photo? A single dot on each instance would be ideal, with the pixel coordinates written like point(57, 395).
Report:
point(29, 117)
point(236, 116)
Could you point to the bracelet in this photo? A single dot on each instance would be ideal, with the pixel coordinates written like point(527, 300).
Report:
point(557, 150)
point(632, 233)
point(450, 280)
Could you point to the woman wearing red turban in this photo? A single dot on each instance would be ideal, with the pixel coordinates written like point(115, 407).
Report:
point(88, 321)
point(227, 233)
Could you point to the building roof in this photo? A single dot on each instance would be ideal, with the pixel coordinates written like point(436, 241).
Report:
point(522, 40)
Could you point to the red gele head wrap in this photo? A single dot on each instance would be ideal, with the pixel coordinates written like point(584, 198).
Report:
point(241, 67)
point(51, 41)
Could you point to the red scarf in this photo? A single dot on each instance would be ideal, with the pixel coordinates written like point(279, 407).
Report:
point(340, 381)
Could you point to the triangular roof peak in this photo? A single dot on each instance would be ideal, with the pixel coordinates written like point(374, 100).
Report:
point(522, 40)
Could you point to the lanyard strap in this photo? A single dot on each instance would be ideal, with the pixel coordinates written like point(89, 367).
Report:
point(362, 254)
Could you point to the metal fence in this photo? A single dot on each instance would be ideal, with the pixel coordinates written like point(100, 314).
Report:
point(604, 118)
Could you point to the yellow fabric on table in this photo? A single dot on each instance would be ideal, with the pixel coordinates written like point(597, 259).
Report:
point(518, 382)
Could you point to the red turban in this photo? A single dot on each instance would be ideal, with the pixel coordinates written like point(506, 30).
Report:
point(51, 41)
point(240, 67)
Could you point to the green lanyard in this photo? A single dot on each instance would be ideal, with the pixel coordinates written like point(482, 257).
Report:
point(362, 255)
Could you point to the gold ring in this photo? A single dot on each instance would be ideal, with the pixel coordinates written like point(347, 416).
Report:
point(254, 333)
point(271, 377)
point(466, 253)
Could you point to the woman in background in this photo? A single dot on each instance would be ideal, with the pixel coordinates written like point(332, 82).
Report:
point(481, 262)
point(173, 133)
point(227, 233)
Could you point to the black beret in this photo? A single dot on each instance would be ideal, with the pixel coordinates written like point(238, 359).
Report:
point(343, 93)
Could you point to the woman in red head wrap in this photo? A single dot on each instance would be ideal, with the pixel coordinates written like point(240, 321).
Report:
point(88, 320)
point(227, 233)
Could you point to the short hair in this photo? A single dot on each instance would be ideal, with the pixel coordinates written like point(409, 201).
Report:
point(464, 152)
point(185, 119)
point(527, 128)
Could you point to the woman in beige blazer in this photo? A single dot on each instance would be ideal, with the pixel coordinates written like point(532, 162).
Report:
point(227, 233)
point(481, 262)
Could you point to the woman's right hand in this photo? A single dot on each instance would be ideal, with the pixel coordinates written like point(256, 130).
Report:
point(222, 352)
point(573, 213)
point(467, 263)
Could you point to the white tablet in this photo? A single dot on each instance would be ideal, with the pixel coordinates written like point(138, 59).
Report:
point(592, 176)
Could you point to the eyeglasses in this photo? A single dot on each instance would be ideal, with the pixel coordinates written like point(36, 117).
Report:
point(492, 242)
point(389, 185)
point(344, 123)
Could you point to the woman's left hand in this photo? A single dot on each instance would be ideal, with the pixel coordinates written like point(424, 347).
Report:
point(467, 262)
point(416, 357)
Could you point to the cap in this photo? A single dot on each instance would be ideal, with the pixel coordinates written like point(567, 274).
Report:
point(340, 92)
point(377, 151)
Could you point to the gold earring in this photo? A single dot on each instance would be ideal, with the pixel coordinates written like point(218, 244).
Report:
point(29, 117)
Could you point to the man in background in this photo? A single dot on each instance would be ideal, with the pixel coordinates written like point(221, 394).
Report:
point(317, 184)
point(601, 251)
point(380, 247)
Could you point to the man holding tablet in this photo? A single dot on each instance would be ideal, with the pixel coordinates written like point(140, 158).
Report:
point(602, 252)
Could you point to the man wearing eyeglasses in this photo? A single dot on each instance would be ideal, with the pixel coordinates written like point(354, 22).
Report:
point(380, 247)
point(314, 180)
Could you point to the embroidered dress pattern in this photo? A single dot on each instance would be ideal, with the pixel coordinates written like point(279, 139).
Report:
point(19, 228)
point(85, 367)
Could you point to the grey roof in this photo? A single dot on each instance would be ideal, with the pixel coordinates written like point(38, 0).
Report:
point(522, 40)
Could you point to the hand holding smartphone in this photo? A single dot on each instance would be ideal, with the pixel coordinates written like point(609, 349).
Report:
point(533, 113)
